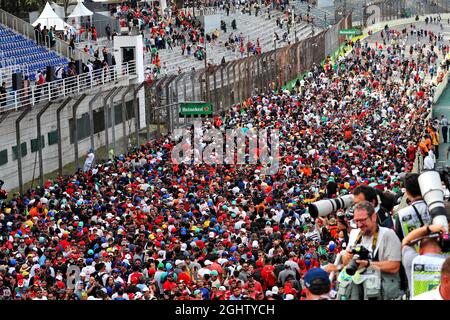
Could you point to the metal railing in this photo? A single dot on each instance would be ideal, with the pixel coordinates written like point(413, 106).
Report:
point(7, 72)
point(22, 27)
point(30, 96)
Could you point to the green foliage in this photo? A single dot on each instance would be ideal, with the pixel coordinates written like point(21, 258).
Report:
point(22, 7)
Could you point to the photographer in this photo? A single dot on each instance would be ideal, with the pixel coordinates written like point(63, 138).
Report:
point(442, 292)
point(416, 214)
point(384, 251)
point(429, 258)
point(366, 193)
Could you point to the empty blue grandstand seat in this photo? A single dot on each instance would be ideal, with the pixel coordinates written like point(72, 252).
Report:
point(15, 49)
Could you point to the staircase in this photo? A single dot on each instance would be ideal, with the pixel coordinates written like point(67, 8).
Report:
point(251, 28)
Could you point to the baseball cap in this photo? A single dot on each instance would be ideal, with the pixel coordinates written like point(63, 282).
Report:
point(316, 273)
point(214, 273)
point(208, 262)
point(275, 290)
point(289, 297)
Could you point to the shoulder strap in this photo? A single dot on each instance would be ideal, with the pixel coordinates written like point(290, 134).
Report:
point(374, 243)
point(418, 215)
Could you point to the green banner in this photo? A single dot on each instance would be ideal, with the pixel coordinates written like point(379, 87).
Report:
point(351, 32)
point(195, 108)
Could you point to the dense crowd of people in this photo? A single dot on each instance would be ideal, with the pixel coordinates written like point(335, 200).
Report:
point(140, 227)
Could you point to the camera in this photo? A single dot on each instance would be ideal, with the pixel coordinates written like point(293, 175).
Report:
point(359, 253)
point(323, 208)
point(433, 194)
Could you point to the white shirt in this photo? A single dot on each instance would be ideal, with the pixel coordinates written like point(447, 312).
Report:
point(89, 159)
point(430, 295)
point(428, 163)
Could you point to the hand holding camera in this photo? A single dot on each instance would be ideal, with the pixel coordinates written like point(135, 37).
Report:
point(360, 256)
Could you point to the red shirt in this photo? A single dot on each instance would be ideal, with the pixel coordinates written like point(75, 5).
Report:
point(185, 277)
point(169, 286)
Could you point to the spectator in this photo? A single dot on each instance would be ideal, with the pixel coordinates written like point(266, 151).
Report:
point(108, 32)
point(317, 285)
point(428, 163)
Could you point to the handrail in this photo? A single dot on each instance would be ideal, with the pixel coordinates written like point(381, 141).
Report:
point(33, 95)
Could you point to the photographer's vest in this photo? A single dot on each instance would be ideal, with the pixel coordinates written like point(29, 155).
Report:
point(414, 216)
point(426, 273)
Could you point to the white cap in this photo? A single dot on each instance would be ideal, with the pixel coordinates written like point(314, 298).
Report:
point(275, 290)
point(268, 293)
point(289, 297)
point(211, 234)
point(183, 247)
point(222, 288)
point(255, 244)
point(178, 262)
point(208, 263)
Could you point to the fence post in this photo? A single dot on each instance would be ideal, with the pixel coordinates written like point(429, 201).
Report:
point(91, 118)
point(58, 126)
point(193, 85)
point(184, 88)
point(16, 104)
point(136, 111)
point(124, 118)
point(106, 118)
point(113, 117)
point(32, 95)
point(39, 133)
point(75, 129)
point(168, 108)
point(222, 85)
point(19, 147)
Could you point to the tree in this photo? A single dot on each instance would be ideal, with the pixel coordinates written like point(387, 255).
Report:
point(22, 7)
point(65, 4)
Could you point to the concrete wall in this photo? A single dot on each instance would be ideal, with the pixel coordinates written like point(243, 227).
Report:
point(138, 44)
point(28, 131)
point(211, 22)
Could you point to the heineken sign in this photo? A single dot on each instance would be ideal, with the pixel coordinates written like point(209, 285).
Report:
point(195, 108)
point(350, 32)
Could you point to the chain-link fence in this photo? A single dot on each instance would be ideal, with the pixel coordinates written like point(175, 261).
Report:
point(366, 12)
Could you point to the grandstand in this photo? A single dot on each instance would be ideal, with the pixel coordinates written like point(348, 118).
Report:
point(18, 53)
point(251, 27)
